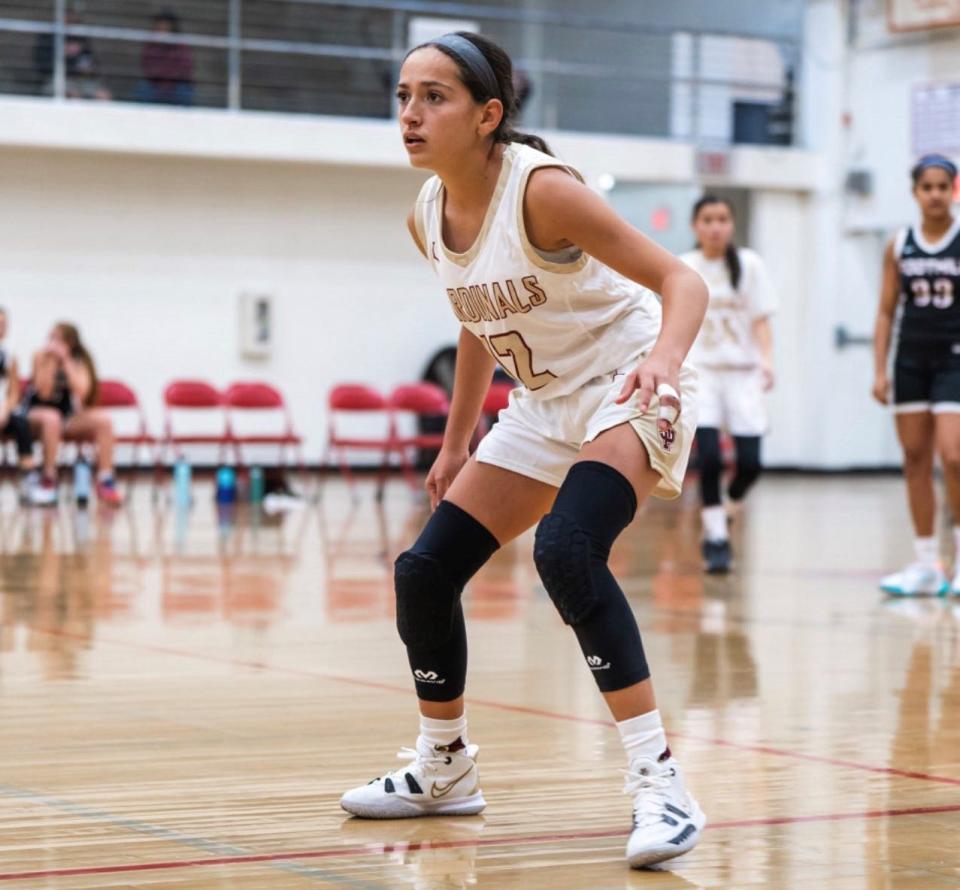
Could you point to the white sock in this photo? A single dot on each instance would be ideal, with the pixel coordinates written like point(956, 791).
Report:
point(714, 523)
point(926, 550)
point(442, 732)
point(643, 736)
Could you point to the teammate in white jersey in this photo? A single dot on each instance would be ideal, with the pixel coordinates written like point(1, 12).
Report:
point(734, 355)
point(548, 281)
point(921, 299)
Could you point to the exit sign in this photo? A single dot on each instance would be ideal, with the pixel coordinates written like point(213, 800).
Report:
point(713, 163)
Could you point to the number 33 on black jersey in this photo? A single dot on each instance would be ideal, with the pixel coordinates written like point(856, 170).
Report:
point(929, 285)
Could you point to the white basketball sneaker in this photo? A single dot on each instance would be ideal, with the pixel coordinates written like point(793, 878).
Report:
point(917, 579)
point(667, 821)
point(440, 781)
point(955, 584)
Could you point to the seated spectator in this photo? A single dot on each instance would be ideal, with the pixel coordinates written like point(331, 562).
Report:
point(82, 69)
point(14, 424)
point(167, 67)
point(59, 403)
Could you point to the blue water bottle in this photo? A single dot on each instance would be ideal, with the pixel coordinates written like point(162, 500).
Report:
point(226, 485)
point(181, 482)
point(82, 481)
point(256, 484)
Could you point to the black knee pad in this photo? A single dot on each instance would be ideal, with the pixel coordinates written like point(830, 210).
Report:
point(426, 600)
point(710, 464)
point(429, 577)
point(749, 466)
point(563, 554)
point(594, 504)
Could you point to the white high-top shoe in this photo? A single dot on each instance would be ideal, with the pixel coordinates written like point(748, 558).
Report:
point(916, 579)
point(667, 821)
point(439, 781)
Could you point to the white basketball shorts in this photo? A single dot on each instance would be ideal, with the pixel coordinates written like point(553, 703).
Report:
point(732, 400)
point(542, 438)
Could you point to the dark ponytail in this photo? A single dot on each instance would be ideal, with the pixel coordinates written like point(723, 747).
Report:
point(502, 69)
point(731, 255)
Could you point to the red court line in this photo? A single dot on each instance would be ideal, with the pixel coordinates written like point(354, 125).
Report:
point(368, 849)
point(518, 709)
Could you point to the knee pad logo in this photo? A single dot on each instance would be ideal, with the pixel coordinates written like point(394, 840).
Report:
point(428, 677)
point(596, 663)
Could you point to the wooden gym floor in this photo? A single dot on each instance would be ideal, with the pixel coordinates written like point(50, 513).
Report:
point(184, 698)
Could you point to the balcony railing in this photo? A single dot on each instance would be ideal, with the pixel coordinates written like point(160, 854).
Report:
point(581, 72)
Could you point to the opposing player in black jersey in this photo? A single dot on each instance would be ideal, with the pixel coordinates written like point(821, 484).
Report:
point(921, 284)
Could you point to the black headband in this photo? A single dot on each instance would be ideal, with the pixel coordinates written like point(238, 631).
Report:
point(476, 62)
point(936, 161)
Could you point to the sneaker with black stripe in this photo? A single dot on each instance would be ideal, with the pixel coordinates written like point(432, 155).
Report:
point(441, 780)
point(717, 557)
point(667, 820)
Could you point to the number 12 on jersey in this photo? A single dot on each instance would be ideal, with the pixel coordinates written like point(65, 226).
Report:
point(515, 357)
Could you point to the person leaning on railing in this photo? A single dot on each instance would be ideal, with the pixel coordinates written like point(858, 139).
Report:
point(167, 67)
point(80, 63)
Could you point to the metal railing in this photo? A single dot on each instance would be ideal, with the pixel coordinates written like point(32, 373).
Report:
point(584, 71)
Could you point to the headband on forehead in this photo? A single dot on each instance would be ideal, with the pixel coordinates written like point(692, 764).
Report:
point(466, 51)
point(936, 161)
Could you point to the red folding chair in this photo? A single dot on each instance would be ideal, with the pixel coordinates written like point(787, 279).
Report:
point(116, 396)
point(264, 399)
point(357, 400)
point(199, 397)
point(416, 401)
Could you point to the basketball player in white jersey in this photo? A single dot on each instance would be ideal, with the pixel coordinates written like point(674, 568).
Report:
point(549, 282)
point(921, 285)
point(734, 357)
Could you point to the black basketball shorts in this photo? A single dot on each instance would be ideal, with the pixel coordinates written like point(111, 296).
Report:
point(926, 377)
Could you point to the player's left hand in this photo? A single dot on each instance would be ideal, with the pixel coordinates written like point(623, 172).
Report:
point(655, 376)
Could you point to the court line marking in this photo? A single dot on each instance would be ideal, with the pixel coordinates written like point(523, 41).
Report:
point(740, 746)
point(369, 848)
point(197, 842)
point(506, 706)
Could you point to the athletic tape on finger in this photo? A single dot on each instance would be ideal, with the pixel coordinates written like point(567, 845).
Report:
point(669, 403)
point(665, 389)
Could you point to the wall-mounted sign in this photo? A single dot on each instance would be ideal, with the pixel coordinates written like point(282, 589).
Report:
point(256, 325)
point(919, 15)
point(935, 118)
point(713, 163)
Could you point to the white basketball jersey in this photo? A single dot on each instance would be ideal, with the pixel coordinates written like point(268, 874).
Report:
point(726, 339)
point(552, 321)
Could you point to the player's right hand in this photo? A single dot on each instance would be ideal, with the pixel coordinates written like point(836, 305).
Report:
point(881, 389)
point(443, 472)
